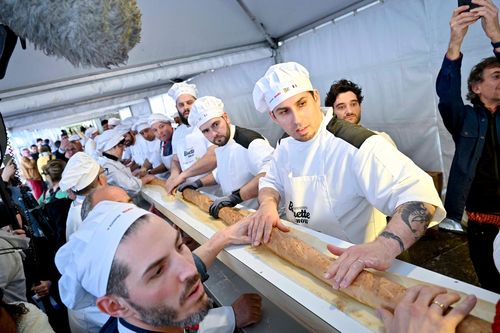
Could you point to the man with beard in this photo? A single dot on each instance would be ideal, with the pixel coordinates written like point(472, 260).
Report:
point(152, 154)
point(111, 143)
point(242, 156)
point(133, 153)
point(161, 125)
point(474, 182)
point(136, 268)
point(345, 98)
point(193, 155)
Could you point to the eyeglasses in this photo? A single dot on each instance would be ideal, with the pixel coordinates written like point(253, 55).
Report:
point(103, 171)
point(122, 142)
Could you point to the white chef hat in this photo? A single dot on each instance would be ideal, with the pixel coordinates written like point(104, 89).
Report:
point(129, 121)
point(114, 121)
point(85, 260)
point(140, 125)
point(80, 171)
point(182, 88)
point(204, 109)
point(108, 139)
point(74, 137)
point(122, 129)
point(158, 118)
point(89, 131)
point(280, 82)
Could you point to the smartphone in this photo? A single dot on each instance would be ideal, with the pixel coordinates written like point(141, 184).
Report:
point(468, 3)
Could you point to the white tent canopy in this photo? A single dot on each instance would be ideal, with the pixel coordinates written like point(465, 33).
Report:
point(392, 49)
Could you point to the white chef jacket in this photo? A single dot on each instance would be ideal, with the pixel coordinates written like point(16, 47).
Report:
point(245, 155)
point(332, 186)
point(139, 150)
point(154, 152)
point(166, 160)
point(90, 148)
point(217, 320)
point(87, 319)
point(74, 219)
point(189, 144)
point(120, 175)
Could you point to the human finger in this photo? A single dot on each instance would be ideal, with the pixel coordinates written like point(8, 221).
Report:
point(427, 295)
point(443, 301)
point(259, 232)
point(461, 310)
point(353, 271)
point(386, 316)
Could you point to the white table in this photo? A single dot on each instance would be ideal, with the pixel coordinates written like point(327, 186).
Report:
point(311, 302)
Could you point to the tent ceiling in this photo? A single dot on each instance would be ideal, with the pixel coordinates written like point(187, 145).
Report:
point(179, 29)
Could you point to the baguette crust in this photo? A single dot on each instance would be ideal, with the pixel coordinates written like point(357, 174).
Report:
point(368, 288)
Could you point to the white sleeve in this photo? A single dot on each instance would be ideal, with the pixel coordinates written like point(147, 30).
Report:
point(127, 155)
point(260, 153)
point(218, 320)
point(388, 178)
point(124, 180)
point(74, 219)
point(273, 178)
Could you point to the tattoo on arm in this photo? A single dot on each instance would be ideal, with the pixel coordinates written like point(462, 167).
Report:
point(416, 217)
point(390, 235)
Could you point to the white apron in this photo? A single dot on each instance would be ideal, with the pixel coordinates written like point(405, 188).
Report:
point(308, 201)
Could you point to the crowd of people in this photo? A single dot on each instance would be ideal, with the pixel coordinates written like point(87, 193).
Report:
point(121, 267)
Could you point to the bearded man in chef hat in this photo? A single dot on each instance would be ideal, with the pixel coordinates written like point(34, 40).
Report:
point(134, 266)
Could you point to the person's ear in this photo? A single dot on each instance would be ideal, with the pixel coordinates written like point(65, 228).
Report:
point(102, 179)
point(113, 306)
point(273, 117)
point(316, 95)
point(226, 118)
point(476, 89)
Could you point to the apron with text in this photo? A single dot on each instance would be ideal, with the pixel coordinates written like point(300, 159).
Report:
point(307, 198)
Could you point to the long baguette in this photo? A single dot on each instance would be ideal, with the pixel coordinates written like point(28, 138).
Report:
point(368, 288)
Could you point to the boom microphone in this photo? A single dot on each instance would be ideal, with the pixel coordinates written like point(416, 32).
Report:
point(97, 33)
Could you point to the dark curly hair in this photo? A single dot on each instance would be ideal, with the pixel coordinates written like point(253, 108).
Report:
point(342, 86)
point(476, 76)
point(15, 310)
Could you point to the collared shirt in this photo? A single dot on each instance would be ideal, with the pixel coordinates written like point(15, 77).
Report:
point(473, 130)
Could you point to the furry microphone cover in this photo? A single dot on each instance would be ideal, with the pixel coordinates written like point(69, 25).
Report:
point(97, 33)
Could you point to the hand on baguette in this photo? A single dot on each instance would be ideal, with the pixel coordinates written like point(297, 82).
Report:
point(234, 234)
point(352, 260)
point(262, 223)
point(423, 309)
point(172, 183)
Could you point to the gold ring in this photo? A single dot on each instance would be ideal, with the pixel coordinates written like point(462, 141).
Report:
point(441, 305)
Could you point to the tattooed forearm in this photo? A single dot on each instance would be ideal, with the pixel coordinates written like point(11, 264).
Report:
point(390, 235)
point(416, 217)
